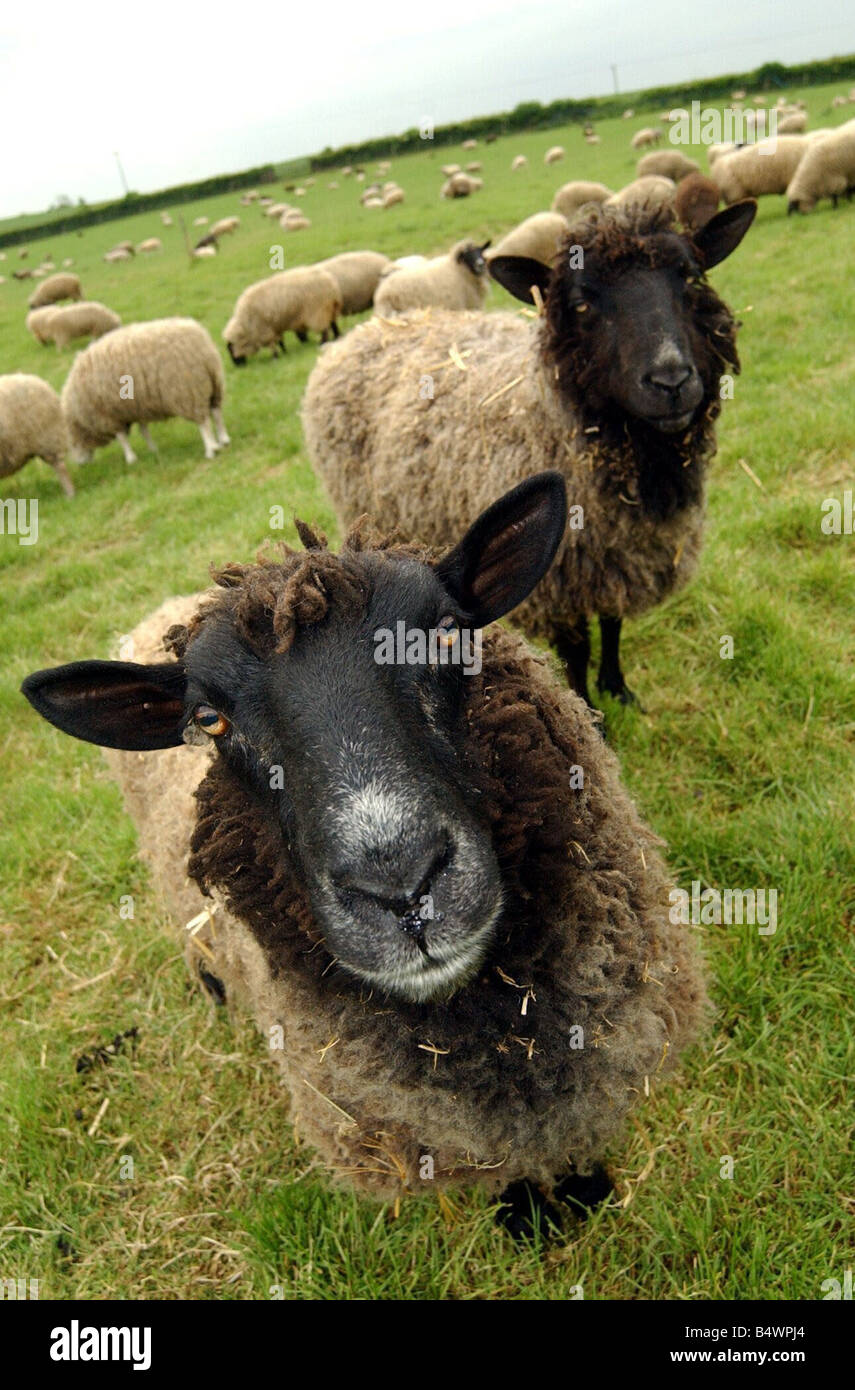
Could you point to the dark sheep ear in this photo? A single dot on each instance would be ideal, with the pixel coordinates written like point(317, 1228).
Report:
point(723, 233)
point(507, 550)
point(117, 704)
point(517, 274)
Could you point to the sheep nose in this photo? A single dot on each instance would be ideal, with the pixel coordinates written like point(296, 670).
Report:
point(396, 877)
point(669, 378)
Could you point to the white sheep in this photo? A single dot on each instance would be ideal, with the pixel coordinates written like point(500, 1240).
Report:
point(793, 123)
point(669, 164)
point(554, 154)
point(827, 170)
point(393, 197)
point(460, 186)
point(151, 243)
point(519, 161)
point(89, 319)
point(36, 323)
point(648, 135)
point(140, 373)
point(200, 221)
point(54, 289)
point(574, 195)
point(652, 191)
point(753, 170)
point(539, 237)
point(357, 275)
point(225, 226)
point(31, 426)
point(297, 300)
point(457, 280)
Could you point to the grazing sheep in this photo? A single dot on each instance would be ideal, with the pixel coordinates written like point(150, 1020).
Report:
point(200, 221)
point(151, 243)
point(519, 161)
point(450, 169)
point(54, 289)
point(652, 191)
point(225, 226)
point(22, 274)
point(460, 186)
point(474, 167)
point(624, 410)
point(574, 195)
point(373, 202)
point(469, 144)
point(716, 151)
point(89, 319)
point(649, 135)
point(31, 426)
point(67, 263)
point(392, 197)
point(332, 184)
point(696, 201)
point(539, 236)
point(139, 373)
point(839, 101)
point(754, 170)
point(119, 254)
point(291, 301)
point(554, 155)
point(628, 114)
point(456, 281)
point(276, 210)
point(827, 170)
point(794, 123)
point(166, 220)
point(202, 252)
point(593, 140)
point(36, 323)
point(357, 275)
point(468, 958)
point(294, 221)
point(670, 164)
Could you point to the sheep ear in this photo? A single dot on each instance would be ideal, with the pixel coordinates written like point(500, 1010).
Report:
point(723, 233)
point(508, 549)
point(117, 704)
point(517, 274)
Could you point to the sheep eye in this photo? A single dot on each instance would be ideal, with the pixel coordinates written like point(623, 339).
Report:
point(448, 631)
point(211, 721)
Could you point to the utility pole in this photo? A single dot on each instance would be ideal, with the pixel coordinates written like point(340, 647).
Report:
point(121, 172)
point(613, 67)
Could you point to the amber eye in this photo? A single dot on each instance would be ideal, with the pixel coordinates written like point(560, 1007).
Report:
point(448, 631)
point(210, 719)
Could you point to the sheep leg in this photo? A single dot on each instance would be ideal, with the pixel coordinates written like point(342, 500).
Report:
point(610, 677)
point(336, 332)
point(584, 1193)
point(573, 645)
point(64, 479)
point(146, 434)
point(130, 456)
point(302, 334)
point(208, 439)
point(220, 426)
point(525, 1213)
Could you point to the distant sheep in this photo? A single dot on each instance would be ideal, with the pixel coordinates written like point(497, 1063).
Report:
point(519, 161)
point(118, 254)
point(36, 323)
point(753, 171)
point(225, 226)
point(200, 221)
point(357, 275)
point(651, 191)
point(826, 171)
point(696, 201)
point(460, 186)
point(151, 243)
point(670, 164)
point(457, 280)
point(574, 195)
point(554, 155)
point(294, 221)
point(31, 426)
point(393, 197)
point(166, 220)
point(89, 319)
point(54, 289)
point(539, 237)
point(648, 135)
point(793, 124)
point(173, 370)
point(449, 169)
point(305, 298)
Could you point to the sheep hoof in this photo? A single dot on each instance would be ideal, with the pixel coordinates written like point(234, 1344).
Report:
point(214, 988)
point(525, 1213)
point(620, 692)
point(584, 1192)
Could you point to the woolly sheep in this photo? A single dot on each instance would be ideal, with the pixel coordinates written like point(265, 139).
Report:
point(22, 274)
point(357, 275)
point(89, 319)
point(593, 140)
point(793, 124)
point(120, 254)
point(627, 416)
point(297, 300)
point(166, 220)
point(670, 164)
point(648, 135)
point(469, 144)
point(174, 369)
point(715, 151)
point(393, 197)
point(31, 426)
point(201, 253)
point(200, 221)
point(151, 243)
point(294, 221)
point(460, 186)
point(827, 170)
point(696, 201)
point(54, 289)
point(456, 281)
point(508, 1035)
point(225, 226)
point(554, 155)
point(574, 195)
point(652, 190)
point(519, 161)
point(449, 169)
point(276, 210)
point(374, 202)
point(755, 170)
point(67, 263)
point(538, 236)
point(36, 323)
point(474, 167)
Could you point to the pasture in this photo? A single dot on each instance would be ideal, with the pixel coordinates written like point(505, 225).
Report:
point(743, 765)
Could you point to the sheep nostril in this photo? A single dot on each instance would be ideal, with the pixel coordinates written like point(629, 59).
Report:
point(405, 892)
point(670, 379)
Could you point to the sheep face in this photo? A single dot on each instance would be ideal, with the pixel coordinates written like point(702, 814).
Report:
point(353, 749)
point(472, 257)
point(636, 333)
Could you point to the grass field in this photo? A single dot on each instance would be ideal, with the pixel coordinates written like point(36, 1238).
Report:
point(744, 766)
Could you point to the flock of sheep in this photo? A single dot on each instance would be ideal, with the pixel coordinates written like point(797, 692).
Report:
point(454, 1032)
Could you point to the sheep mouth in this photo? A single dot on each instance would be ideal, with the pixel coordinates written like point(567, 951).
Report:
point(672, 422)
point(431, 976)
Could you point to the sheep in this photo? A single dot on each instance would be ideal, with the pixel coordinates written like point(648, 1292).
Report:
point(839, 101)
point(294, 221)
point(716, 150)
point(276, 210)
point(593, 140)
point(374, 202)
point(696, 201)
point(538, 236)
point(648, 135)
point(469, 144)
point(460, 186)
point(297, 300)
point(89, 319)
point(628, 114)
point(201, 252)
point(574, 195)
point(474, 167)
point(151, 243)
point(140, 373)
point(671, 164)
point(165, 219)
point(554, 155)
point(31, 426)
point(455, 281)
point(119, 254)
point(200, 221)
point(67, 263)
point(448, 170)
point(54, 289)
point(356, 275)
point(826, 171)
point(795, 123)
point(393, 197)
point(22, 274)
point(754, 170)
point(653, 190)
point(225, 226)
point(333, 184)
point(627, 414)
point(36, 323)
point(519, 161)
point(489, 944)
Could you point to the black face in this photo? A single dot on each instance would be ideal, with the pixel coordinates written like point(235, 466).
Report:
point(473, 257)
point(634, 327)
point(356, 753)
point(238, 361)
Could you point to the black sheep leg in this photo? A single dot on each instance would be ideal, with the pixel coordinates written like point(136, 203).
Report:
point(573, 645)
point(525, 1212)
point(610, 677)
point(584, 1193)
point(302, 334)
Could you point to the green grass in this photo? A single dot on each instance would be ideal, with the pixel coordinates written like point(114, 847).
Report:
point(743, 766)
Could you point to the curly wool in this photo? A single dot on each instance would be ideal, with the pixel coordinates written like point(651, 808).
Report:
point(297, 300)
point(445, 283)
point(31, 424)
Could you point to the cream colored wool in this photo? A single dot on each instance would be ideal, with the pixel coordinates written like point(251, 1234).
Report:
point(755, 170)
point(444, 283)
point(31, 426)
point(89, 319)
point(670, 164)
point(652, 191)
point(55, 288)
point(357, 275)
point(539, 236)
point(306, 298)
point(37, 321)
point(826, 171)
point(574, 195)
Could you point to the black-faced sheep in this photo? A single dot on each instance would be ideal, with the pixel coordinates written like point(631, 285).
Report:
point(618, 388)
point(457, 281)
point(428, 886)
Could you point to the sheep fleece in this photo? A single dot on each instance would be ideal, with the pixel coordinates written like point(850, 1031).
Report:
point(31, 423)
point(492, 1094)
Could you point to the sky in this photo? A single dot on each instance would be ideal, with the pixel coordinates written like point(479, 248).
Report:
point(182, 92)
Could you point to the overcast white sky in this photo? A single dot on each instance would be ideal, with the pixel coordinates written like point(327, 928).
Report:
point(184, 91)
